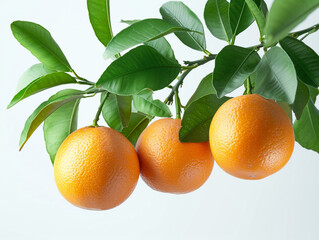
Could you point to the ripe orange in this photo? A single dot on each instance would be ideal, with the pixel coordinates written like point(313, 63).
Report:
point(96, 168)
point(251, 137)
point(167, 165)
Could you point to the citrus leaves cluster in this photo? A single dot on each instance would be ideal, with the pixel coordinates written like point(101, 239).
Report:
point(143, 61)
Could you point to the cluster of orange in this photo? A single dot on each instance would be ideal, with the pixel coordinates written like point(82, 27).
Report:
point(250, 137)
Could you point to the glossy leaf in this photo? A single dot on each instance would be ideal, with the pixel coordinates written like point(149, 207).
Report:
point(233, 66)
point(32, 73)
point(130, 22)
point(160, 44)
point(301, 100)
point(307, 128)
point(276, 76)
point(40, 43)
point(305, 59)
point(177, 13)
point(284, 15)
point(263, 7)
point(217, 19)
point(45, 110)
point(204, 88)
point(163, 47)
point(286, 107)
point(99, 14)
point(258, 15)
point(240, 17)
point(314, 92)
point(42, 83)
point(117, 110)
point(139, 32)
point(142, 67)
point(197, 118)
point(138, 122)
point(59, 125)
point(143, 102)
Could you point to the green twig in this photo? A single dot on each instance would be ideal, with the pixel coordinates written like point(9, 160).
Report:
point(94, 90)
point(306, 35)
point(98, 113)
point(85, 83)
point(311, 29)
point(82, 80)
point(169, 99)
point(202, 61)
point(190, 66)
point(78, 77)
point(257, 47)
point(177, 105)
point(297, 34)
point(206, 52)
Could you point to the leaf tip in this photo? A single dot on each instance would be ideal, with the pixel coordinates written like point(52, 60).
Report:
point(21, 146)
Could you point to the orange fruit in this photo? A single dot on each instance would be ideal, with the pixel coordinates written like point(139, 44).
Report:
point(96, 168)
point(251, 137)
point(168, 165)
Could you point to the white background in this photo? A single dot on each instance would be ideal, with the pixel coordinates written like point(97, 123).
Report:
point(282, 206)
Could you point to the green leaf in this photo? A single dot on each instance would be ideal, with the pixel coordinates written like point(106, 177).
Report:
point(59, 125)
point(240, 17)
point(301, 100)
point(163, 47)
point(99, 14)
point(263, 7)
point(42, 83)
point(284, 15)
point(233, 66)
point(40, 43)
point(197, 118)
point(142, 67)
point(204, 88)
point(286, 107)
point(314, 92)
point(45, 110)
point(258, 15)
point(34, 72)
point(305, 59)
point(138, 122)
point(139, 32)
point(276, 76)
point(307, 128)
point(116, 110)
point(143, 102)
point(217, 19)
point(177, 13)
point(130, 22)
point(160, 44)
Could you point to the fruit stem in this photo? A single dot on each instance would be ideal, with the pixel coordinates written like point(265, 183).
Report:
point(177, 105)
point(98, 113)
point(249, 87)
